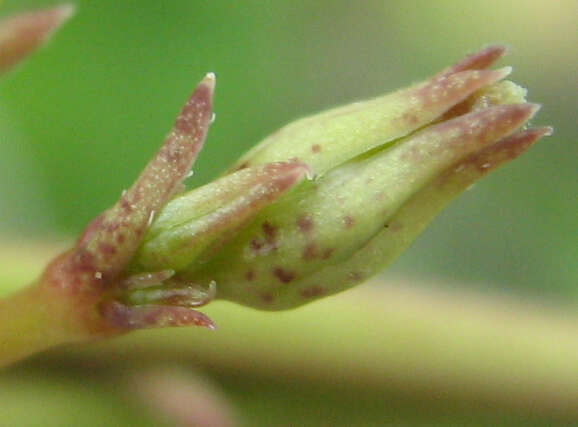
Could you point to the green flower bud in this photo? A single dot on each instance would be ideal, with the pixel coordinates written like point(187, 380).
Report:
point(316, 208)
point(383, 168)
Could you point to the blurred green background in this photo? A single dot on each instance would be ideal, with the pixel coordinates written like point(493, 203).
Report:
point(80, 119)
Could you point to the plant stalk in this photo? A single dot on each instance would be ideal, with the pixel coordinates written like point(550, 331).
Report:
point(31, 321)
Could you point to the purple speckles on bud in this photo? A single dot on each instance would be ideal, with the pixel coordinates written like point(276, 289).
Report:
point(349, 221)
point(284, 276)
point(313, 292)
point(376, 159)
point(250, 275)
point(305, 223)
point(267, 242)
point(315, 209)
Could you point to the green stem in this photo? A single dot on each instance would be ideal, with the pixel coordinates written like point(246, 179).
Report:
point(32, 321)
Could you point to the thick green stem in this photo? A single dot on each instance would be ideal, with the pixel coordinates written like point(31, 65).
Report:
point(31, 321)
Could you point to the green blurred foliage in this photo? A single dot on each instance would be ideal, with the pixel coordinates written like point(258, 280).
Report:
point(26, 399)
point(82, 117)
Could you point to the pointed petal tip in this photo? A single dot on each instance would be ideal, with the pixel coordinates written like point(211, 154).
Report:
point(532, 108)
point(202, 95)
point(449, 89)
point(518, 112)
point(65, 11)
point(202, 320)
point(210, 81)
point(49, 20)
point(492, 157)
point(483, 58)
point(504, 71)
point(536, 133)
point(522, 140)
point(508, 149)
point(510, 117)
point(546, 131)
point(479, 60)
point(123, 318)
point(211, 326)
point(495, 50)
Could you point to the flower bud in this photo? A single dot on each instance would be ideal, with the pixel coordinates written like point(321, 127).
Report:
point(382, 169)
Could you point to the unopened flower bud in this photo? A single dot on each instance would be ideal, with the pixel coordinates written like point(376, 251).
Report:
point(382, 169)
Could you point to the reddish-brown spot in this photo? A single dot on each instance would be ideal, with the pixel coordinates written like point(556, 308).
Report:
point(349, 221)
point(136, 195)
point(270, 232)
point(380, 197)
point(267, 298)
point(111, 227)
point(327, 253)
point(305, 224)
point(316, 148)
point(395, 226)
point(106, 248)
point(139, 231)
point(313, 291)
point(410, 119)
point(120, 238)
point(284, 276)
point(250, 275)
point(268, 242)
point(257, 244)
point(126, 205)
point(310, 252)
point(84, 261)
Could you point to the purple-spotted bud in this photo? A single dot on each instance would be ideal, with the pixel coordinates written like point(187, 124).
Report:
point(314, 209)
point(382, 169)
